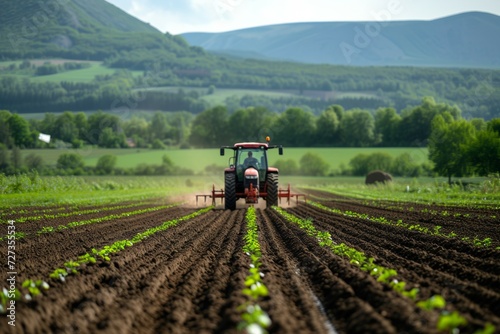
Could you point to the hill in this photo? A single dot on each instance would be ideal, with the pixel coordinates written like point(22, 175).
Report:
point(94, 30)
point(76, 29)
point(464, 40)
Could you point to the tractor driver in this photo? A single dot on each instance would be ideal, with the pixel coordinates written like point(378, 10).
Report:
point(250, 161)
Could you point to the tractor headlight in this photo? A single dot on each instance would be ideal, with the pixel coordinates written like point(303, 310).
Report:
point(254, 177)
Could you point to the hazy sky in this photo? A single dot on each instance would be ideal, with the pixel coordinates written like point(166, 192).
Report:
point(179, 16)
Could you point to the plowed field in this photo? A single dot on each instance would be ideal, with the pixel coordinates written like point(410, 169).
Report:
point(189, 278)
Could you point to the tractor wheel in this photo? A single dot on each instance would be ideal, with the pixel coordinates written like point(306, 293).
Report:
point(272, 190)
point(230, 191)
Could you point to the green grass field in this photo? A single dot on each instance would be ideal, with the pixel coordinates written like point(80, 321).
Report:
point(198, 159)
point(221, 94)
point(83, 75)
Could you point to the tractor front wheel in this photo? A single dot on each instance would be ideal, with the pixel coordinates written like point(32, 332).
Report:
point(272, 190)
point(230, 191)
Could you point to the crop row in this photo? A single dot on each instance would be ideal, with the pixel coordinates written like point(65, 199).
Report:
point(254, 319)
point(433, 212)
point(441, 194)
point(48, 209)
point(449, 322)
point(486, 242)
point(77, 213)
point(31, 288)
point(49, 229)
point(82, 198)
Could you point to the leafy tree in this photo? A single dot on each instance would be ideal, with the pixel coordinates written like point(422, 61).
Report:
point(158, 145)
point(250, 124)
point(287, 167)
point(484, 152)
point(338, 110)
point(19, 130)
point(4, 157)
point(48, 124)
point(70, 161)
point(479, 124)
point(362, 164)
point(415, 126)
point(494, 125)
point(137, 128)
point(110, 139)
point(210, 128)
point(327, 128)
point(158, 126)
point(295, 127)
point(179, 126)
point(82, 124)
point(167, 164)
point(16, 158)
point(33, 161)
point(357, 128)
point(448, 146)
point(403, 165)
point(66, 128)
point(101, 122)
point(5, 136)
point(106, 164)
point(386, 124)
point(312, 164)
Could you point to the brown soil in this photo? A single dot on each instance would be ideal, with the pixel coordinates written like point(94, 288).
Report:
point(189, 278)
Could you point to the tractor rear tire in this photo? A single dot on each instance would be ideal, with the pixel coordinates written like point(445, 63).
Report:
point(230, 191)
point(272, 190)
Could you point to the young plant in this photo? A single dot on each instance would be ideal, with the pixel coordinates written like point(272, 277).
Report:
point(34, 288)
point(254, 319)
point(450, 322)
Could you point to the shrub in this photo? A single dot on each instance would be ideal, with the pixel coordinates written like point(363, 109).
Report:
point(312, 164)
point(287, 167)
point(362, 164)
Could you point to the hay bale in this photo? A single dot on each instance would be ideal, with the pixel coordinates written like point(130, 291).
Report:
point(378, 176)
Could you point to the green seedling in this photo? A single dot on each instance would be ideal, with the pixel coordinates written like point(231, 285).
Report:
point(450, 322)
point(59, 274)
point(434, 302)
point(488, 329)
point(34, 287)
point(6, 296)
point(254, 319)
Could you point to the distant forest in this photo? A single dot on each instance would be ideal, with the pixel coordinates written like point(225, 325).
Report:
point(476, 92)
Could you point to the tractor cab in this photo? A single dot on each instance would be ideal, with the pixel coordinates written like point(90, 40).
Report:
point(250, 158)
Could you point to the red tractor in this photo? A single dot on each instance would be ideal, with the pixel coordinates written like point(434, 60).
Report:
point(250, 177)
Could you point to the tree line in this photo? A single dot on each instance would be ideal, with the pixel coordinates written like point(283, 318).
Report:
point(457, 146)
point(294, 127)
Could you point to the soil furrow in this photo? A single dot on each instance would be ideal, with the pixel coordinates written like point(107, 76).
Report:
point(347, 293)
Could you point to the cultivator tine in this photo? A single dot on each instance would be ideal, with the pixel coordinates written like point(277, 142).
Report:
point(286, 193)
point(216, 193)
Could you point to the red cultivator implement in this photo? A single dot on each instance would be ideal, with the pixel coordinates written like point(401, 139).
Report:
point(252, 196)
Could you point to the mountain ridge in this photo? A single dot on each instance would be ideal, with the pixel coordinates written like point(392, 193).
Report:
point(461, 40)
point(76, 29)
